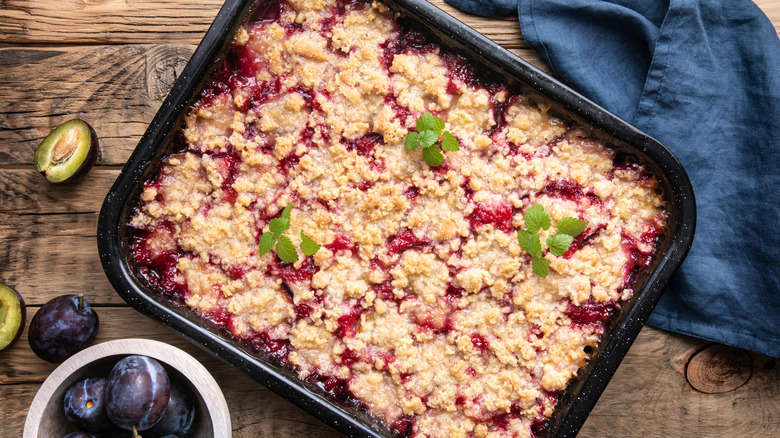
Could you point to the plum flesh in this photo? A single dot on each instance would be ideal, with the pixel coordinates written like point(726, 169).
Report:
point(68, 152)
point(62, 327)
point(13, 314)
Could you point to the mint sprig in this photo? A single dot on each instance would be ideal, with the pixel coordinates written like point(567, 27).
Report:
point(536, 218)
point(275, 238)
point(433, 139)
point(308, 246)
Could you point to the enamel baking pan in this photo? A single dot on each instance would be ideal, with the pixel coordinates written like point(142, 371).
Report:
point(582, 393)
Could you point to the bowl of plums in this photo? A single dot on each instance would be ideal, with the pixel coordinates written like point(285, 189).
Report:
point(129, 388)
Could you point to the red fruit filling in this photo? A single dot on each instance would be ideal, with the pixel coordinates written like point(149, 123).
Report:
point(592, 314)
point(244, 72)
point(288, 272)
point(403, 241)
point(498, 214)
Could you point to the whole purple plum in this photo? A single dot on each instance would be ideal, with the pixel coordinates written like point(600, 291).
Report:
point(85, 405)
point(179, 417)
point(137, 393)
point(62, 327)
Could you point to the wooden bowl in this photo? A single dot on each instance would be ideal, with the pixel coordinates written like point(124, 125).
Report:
point(46, 417)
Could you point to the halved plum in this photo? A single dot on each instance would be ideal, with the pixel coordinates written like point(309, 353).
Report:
point(12, 315)
point(68, 152)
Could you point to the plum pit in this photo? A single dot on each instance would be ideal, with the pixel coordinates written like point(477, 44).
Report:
point(68, 152)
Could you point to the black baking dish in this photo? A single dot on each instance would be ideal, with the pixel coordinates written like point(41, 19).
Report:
point(583, 392)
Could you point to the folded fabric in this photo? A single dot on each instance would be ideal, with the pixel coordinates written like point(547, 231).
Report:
point(703, 77)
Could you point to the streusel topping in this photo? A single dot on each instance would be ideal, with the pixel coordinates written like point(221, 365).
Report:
point(420, 306)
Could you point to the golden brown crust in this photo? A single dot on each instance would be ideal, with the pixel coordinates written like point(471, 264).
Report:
point(452, 329)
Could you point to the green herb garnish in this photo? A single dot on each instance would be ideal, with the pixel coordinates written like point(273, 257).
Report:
point(536, 218)
point(308, 246)
point(284, 246)
point(433, 138)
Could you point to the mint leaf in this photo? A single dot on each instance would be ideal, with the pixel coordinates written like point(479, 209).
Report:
point(571, 226)
point(266, 244)
point(427, 138)
point(536, 217)
point(450, 143)
point(438, 125)
point(540, 266)
point(559, 243)
point(412, 141)
point(522, 238)
point(425, 122)
point(278, 226)
point(534, 245)
point(433, 156)
point(286, 211)
point(286, 250)
point(308, 246)
point(430, 130)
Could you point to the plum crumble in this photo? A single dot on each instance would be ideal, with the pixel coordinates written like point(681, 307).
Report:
point(420, 307)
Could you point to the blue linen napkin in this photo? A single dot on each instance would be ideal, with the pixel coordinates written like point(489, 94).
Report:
point(703, 77)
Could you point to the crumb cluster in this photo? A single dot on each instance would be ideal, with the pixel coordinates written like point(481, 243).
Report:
point(420, 306)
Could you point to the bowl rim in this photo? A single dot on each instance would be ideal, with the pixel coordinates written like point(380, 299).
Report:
point(200, 378)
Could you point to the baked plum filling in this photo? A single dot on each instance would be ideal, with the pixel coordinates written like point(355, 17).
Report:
point(420, 308)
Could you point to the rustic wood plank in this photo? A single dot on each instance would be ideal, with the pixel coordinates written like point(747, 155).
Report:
point(18, 364)
point(152, 21)
point(101, 22)
point(649, 395)
point(14, 401)
point(48, 244)
point(45, 255)
point(23, 190)
point(117, 89)
point(504, 31)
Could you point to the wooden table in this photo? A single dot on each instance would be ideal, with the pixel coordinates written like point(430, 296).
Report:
point(112, 62)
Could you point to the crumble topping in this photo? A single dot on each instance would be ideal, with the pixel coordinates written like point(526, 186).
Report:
point(420, 307)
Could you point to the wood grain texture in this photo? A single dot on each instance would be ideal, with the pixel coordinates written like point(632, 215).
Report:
point(116, 89)
point(505, 31)
point(48, 244)
point(12, 397)
point(717, 369)
point(23, 191)
point(649, 395)
point(45, 255)
point(105, 21)
point(151, 21)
